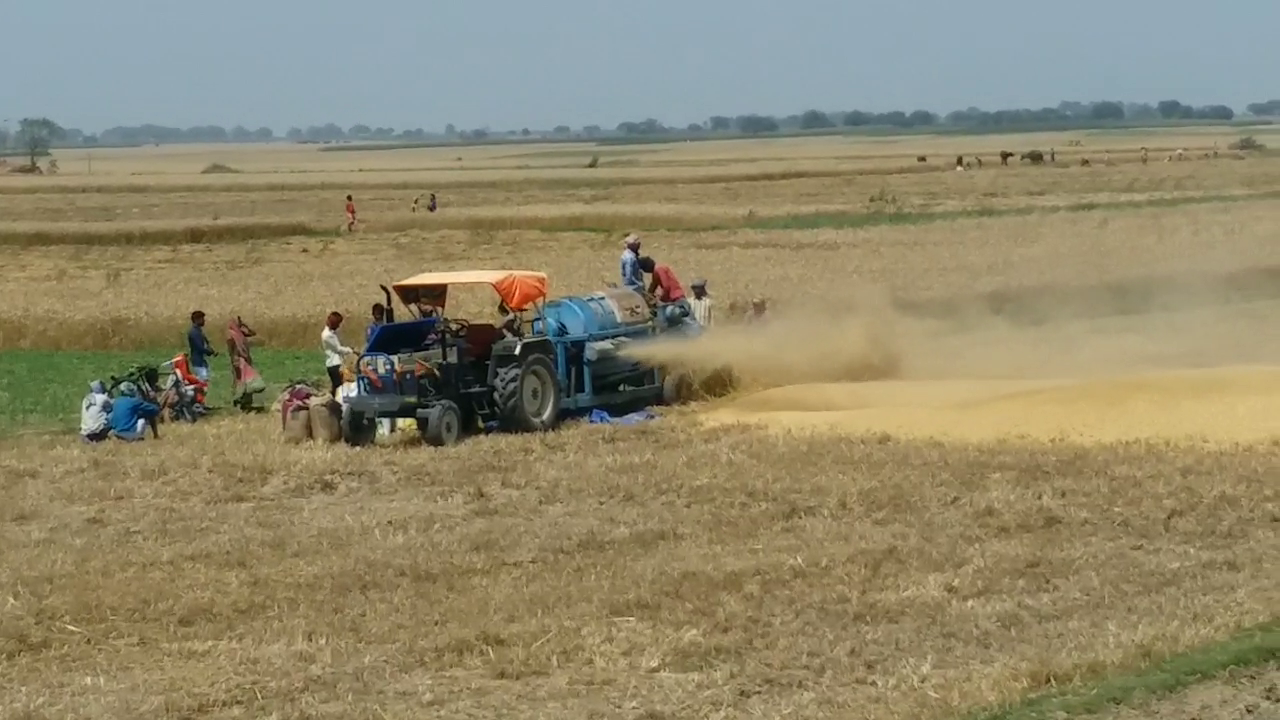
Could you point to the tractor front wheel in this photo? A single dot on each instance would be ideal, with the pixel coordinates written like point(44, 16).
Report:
point(442, 425)
point(528, 395)
point(358, 429)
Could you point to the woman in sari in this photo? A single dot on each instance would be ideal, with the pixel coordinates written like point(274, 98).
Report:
point(245, 381)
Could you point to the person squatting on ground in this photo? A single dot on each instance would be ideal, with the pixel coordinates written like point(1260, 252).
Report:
point(334, 351)
point(667, 290)
point(199, 347)
point(130, 415)
point(431, 203)
point(632, 277)
point(95, 414)
point(701, 303)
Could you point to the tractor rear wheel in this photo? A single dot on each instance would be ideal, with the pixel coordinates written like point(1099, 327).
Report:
point(528, 395)
point(443, 424)
point(677, 388)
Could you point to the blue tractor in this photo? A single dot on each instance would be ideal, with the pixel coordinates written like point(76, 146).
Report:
point(549, 360)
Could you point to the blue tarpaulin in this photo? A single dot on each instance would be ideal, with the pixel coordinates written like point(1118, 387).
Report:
point(600, 417)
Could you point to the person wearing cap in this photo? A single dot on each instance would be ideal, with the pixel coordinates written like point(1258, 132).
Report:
point(95, 409)
point(700, 302)
point(130, 415)
point(632, 277)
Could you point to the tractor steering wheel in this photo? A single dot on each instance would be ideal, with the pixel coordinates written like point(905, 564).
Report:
point(457, 328)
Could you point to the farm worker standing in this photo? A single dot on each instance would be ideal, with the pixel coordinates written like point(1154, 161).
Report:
point(95, 421)
point(131, 415)
point(631, 275)
point(701, 303)
point(334, 350)
point(198, 347)
point(351, 214)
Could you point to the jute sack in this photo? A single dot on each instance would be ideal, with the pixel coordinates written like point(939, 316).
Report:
point(297, 423)
point(326, 419)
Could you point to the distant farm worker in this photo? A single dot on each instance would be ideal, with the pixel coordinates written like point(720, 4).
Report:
point(379, 319)
point(199, 348)
point(334, 351)
point(632, 276)
point(759, 310)
point(431, 203)
point(130, 415)
point(351, 214)
point(413, 208)
point(667, 290)
point(95, 414)
point(701, 303)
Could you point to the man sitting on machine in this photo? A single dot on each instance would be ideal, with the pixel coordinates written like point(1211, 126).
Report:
point(673, 306)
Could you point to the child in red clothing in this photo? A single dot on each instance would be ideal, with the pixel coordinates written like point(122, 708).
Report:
point(351, 215)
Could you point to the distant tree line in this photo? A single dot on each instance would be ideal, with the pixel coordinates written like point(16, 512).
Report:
point(1065, 114)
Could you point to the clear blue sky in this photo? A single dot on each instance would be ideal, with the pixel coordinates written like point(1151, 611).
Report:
point(512, 64)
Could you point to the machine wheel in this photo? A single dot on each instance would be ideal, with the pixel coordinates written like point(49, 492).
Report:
point(358, 429)
point(677, 388)
point(443, 424)
point(528, 395)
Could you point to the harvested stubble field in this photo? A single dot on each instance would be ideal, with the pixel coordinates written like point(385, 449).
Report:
point(977, 466)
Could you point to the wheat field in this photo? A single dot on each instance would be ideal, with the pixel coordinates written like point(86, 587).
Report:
point(1009, 429)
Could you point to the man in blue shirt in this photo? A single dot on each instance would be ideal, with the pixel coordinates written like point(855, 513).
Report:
point(131, 415)
point(379, 319)
point(198, 347)
point(632, 277)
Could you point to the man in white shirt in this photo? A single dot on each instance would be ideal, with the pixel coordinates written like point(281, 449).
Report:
point(701, 303)
point(334, 350)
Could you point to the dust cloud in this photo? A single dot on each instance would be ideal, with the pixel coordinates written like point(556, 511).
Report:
point(1167, 358)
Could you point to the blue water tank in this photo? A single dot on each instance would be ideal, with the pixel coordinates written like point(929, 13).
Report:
point(595, 314)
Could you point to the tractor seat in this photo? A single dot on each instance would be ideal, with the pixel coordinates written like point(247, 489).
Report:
point(481, 337)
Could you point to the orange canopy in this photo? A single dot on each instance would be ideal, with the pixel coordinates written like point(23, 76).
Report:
point(517, 288)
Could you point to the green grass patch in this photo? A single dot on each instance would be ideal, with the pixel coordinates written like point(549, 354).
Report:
point(40, 391)
point(1258, 645)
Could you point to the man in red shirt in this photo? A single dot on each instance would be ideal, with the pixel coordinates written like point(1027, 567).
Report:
point(668, 291)
point(664, 285)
